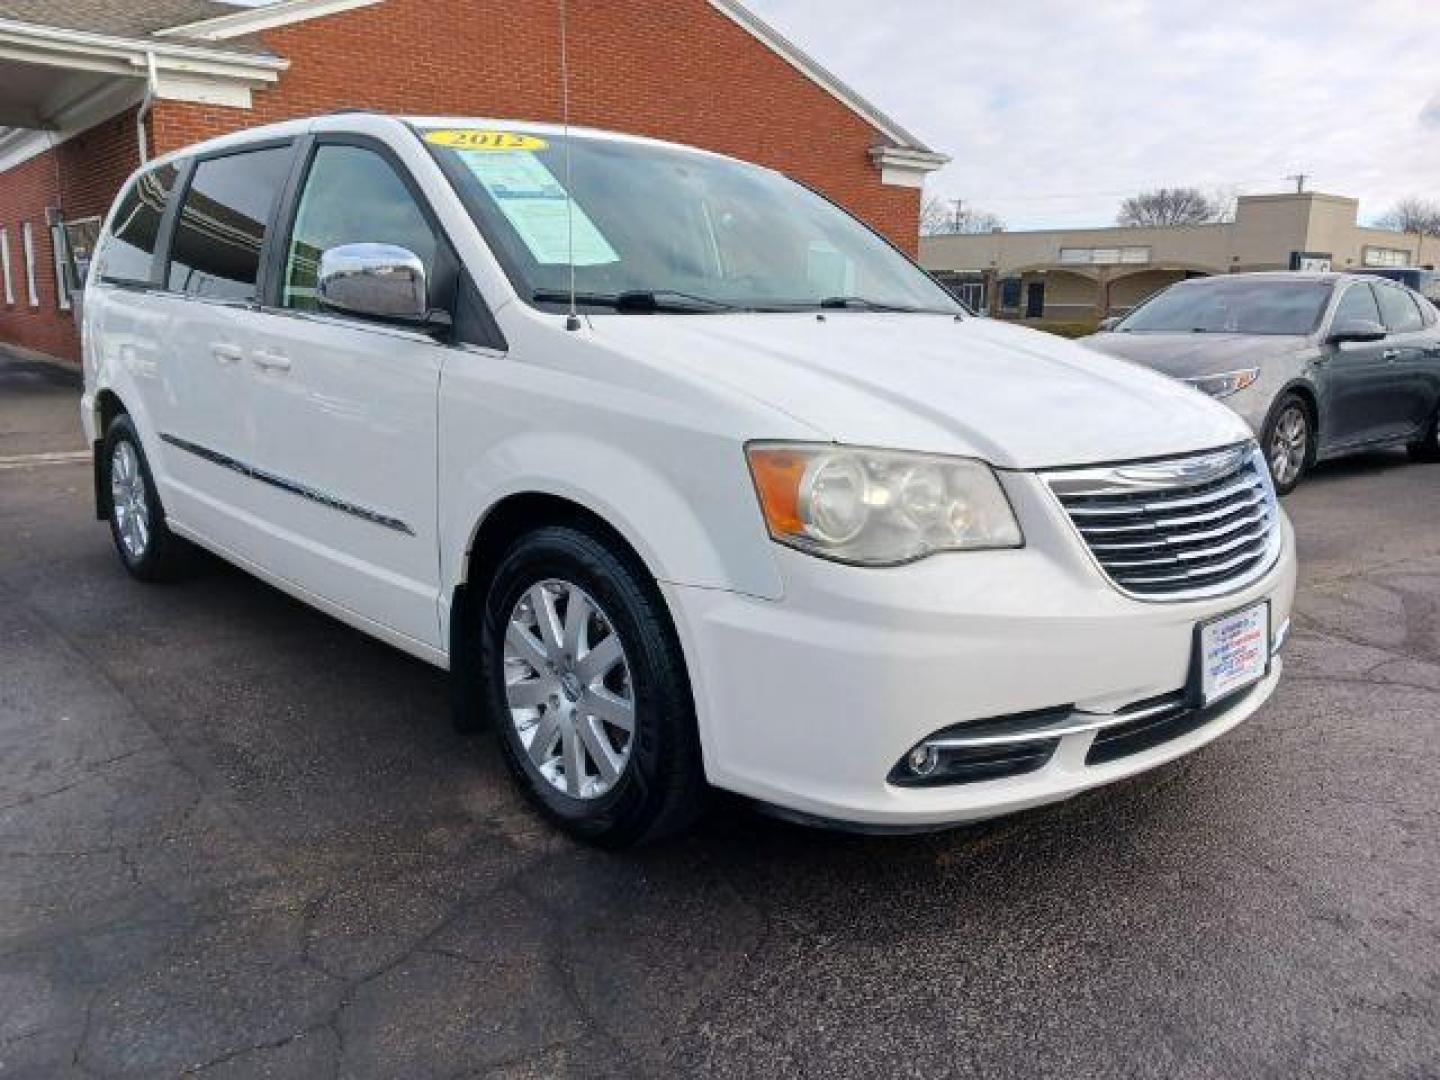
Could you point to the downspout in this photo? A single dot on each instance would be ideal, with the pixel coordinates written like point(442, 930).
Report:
point(146, 104)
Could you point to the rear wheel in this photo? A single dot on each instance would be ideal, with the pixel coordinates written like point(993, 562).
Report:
point(1427, 447)
point(586, 689)
point(146, 546)
point(1289, 442)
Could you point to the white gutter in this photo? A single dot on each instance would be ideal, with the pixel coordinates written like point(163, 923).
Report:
point(146, 104)
point(172, 54)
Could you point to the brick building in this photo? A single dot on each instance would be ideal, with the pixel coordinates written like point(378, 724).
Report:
point(86, 84)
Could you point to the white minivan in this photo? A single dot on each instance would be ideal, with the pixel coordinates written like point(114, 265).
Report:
point(688, 477)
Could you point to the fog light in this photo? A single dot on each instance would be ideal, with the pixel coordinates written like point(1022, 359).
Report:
point(923, 760)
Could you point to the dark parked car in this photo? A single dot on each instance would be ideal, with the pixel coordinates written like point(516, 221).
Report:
point(1319, 365)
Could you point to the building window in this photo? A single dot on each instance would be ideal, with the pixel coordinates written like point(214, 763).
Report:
point(57, 249)
point(1379, 256)
point(5, 258)
point(1106, 256)
point(27, 240)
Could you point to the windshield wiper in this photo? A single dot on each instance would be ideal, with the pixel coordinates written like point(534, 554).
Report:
point(864, 303)
point(639, 300)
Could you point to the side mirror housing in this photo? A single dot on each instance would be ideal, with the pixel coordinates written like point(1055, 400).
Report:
point(1356, 330)
point(376, 281)
point(1109, 323)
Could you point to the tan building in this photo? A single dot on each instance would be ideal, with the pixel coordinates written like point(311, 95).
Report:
point(1081, 275)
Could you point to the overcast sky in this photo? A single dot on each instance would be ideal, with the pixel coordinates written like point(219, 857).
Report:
point(1053, 110)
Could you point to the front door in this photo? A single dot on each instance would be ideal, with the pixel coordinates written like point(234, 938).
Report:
point(343, 410)
point(1035, 300)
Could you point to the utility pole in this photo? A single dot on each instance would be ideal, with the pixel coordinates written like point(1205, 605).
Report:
point(959, 214)
point(1299, 179)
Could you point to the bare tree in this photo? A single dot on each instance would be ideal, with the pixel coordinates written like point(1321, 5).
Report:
point(1171, 206)
point(1413, 215)
point(942, 217)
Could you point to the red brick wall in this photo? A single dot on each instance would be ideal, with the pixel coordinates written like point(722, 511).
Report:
point(673, 69)
point(80, 177)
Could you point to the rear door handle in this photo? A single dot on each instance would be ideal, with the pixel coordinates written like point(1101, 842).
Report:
point(1391, 354)
point(270, 361)
point(226, 354)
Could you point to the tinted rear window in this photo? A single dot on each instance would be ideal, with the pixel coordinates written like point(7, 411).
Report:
point(1401, 313)
point(131, 244)
point(222, 223)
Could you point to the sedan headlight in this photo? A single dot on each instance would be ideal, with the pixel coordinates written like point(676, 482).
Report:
point(1226, 383)
point(878, 507)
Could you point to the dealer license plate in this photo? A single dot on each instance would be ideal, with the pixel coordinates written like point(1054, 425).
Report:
point(1234, 652)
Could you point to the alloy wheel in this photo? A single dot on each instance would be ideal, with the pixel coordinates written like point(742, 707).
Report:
point(129, 500)
point(1289, 444)
point(568, 688)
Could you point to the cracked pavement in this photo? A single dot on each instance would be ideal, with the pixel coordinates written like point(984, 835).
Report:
point(238, 839)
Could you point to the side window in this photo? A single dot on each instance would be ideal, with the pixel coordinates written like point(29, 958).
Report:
point(126, 256)
point(221, 230)
point(351, 196)
point(1399, 310)
point(1358, 303)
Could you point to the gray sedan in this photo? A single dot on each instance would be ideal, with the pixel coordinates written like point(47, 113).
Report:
point(1319, 364)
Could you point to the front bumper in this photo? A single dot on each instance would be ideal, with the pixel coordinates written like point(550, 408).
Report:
point(808, 702)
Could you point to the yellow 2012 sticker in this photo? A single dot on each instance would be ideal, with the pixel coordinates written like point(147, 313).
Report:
point(466, 139)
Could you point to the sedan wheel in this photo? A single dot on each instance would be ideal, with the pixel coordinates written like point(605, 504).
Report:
point(1289, 445)
point(568, 687)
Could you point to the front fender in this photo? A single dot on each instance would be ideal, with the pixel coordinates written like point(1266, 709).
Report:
point(691, 514)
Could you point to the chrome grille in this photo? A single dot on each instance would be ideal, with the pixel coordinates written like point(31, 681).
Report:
point(1180, 528)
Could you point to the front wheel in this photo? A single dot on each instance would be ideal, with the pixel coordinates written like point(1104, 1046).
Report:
point(1289, 443)
point(1427, 447)
point(586, 689)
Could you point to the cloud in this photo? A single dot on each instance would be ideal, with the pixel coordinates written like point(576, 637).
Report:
point(1430, 114)
point(1054, 111)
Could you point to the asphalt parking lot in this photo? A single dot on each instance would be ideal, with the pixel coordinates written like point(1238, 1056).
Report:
point(240, 839)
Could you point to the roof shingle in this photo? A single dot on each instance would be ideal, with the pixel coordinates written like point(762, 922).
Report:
point(116, 18)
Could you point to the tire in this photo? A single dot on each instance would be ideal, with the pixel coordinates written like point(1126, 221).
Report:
point(147, 547)
point(1427, 448)
point(1288, 442)
point(653, 783)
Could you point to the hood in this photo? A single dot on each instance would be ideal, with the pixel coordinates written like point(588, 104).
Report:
point(1018, 398)
point(1186, 356)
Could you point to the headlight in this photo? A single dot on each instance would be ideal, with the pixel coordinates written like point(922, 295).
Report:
point(1226, 383)
point(878, 507)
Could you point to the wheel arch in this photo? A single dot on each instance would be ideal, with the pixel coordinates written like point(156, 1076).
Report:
point(1306, 392)
point(494, 533)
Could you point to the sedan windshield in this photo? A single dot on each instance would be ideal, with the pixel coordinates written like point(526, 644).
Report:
point(1233, 307)
point(653, 228)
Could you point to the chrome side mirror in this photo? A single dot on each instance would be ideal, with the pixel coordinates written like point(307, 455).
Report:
point(1357, 330)
point(374, 281)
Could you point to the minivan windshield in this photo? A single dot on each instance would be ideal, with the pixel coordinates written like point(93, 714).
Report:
point(1232, 307)
point(655, 228)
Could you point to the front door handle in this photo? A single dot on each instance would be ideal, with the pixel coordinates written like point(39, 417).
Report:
point(226, 354)
point(270, 361)
point(1391, 354)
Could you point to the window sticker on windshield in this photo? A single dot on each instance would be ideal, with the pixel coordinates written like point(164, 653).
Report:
point(534, 202)
point(492, 141)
